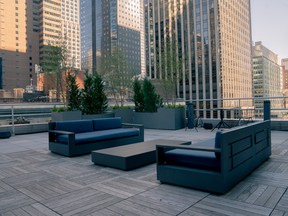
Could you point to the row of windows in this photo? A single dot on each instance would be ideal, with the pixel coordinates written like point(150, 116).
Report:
point(51, 7)
point(52, 2)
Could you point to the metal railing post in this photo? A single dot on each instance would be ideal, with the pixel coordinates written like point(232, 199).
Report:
point(12, 116)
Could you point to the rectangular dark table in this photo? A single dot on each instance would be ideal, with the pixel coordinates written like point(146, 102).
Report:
point(131, 156)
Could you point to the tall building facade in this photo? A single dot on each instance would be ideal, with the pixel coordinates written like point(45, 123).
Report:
point(212, 44)
point(50, 25)
point(267, 77)
point(110, 25)
point(26, 28)
point(19, 43)
point(284, 63)
point(71, 31)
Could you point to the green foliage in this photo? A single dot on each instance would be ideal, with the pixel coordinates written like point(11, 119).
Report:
point(117, 107)
point(118, 77)
point(173, 106)
point(73, 93)
point(138, 96)
point(151, 98)
point(170, 68)
point(94, 100)
point(59, 109)
point(145, 97)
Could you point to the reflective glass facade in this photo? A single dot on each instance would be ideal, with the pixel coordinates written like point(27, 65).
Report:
point(267, 78)
point(108, 25)
point(213, 45)
point(86, 34)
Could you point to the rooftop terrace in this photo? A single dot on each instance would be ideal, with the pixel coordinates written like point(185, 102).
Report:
point(34, 181)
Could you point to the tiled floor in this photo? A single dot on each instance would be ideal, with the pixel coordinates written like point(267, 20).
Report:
point(34, 181)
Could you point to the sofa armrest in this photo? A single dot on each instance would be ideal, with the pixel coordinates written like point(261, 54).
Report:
point(58, 132)
point(189, 147)
point(52, 135)
point(139, 126)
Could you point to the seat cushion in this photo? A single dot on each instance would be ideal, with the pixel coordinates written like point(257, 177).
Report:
point(78, 126)
point(107, 123)
point(88, 137)
point(193, 158)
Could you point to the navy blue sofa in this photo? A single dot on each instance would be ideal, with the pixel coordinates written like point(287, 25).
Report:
point(218, 164)
point(78, 137)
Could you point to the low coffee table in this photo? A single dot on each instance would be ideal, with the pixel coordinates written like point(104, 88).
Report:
point(131, 156)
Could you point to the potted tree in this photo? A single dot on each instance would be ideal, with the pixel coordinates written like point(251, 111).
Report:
point(94, 100)
point(119, 84)
point(150, 112)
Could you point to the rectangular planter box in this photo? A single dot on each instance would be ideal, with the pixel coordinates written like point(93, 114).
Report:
point(164, 118)
point(102, 115)
point(125, 114)
point(66, 116)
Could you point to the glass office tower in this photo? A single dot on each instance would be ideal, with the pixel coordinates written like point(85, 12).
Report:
point(212, 44)
point(109, 25)
point(267, 79)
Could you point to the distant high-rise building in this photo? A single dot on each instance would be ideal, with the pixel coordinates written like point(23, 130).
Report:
point(267, 77)
point(112, 25)
point(71, 31)
point(19, 43)
point(212, 42)
point(284, 63)
point(27, 28)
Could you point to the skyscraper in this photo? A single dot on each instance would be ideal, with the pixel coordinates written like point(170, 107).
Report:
point(267, 77)
point(71, 31)
point(110, 25)
point(50, 25)
point(212, 44)
point(26, 28)
point(284, 63)
point(19, 43)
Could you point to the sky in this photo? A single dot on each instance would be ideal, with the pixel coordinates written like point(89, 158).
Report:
point(270, 25)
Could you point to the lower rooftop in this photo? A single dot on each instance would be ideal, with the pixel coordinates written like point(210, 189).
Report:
point(34, 181)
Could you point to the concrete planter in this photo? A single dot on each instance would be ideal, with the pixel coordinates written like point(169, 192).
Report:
point(66, 116)
point(125, 114)
point(102, 115)
point(164, 118)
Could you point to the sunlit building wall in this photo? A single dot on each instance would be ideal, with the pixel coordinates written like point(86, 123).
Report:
point(284, 63)
point(109, 25)
point(267, 77)
point(50, 25)
point(213, 43)
point(19, 47)
point(71, 31)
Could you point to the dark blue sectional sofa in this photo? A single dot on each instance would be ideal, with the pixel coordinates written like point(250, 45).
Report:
point(78, 137)
point(218, 164)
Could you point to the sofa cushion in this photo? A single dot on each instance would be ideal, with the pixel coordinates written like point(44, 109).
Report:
point(193, 158)
point(88, 137)
point(78, 126)
point(107, 123)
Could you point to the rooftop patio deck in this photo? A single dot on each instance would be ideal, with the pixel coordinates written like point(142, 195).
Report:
point(34, 181)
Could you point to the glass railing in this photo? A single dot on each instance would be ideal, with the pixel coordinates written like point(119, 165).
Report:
point(234, 108)
point(231, 108)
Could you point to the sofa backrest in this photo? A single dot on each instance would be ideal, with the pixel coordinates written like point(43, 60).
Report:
point(76, 126)
point(107, 123)
point(240, 144)
point(218, 143)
